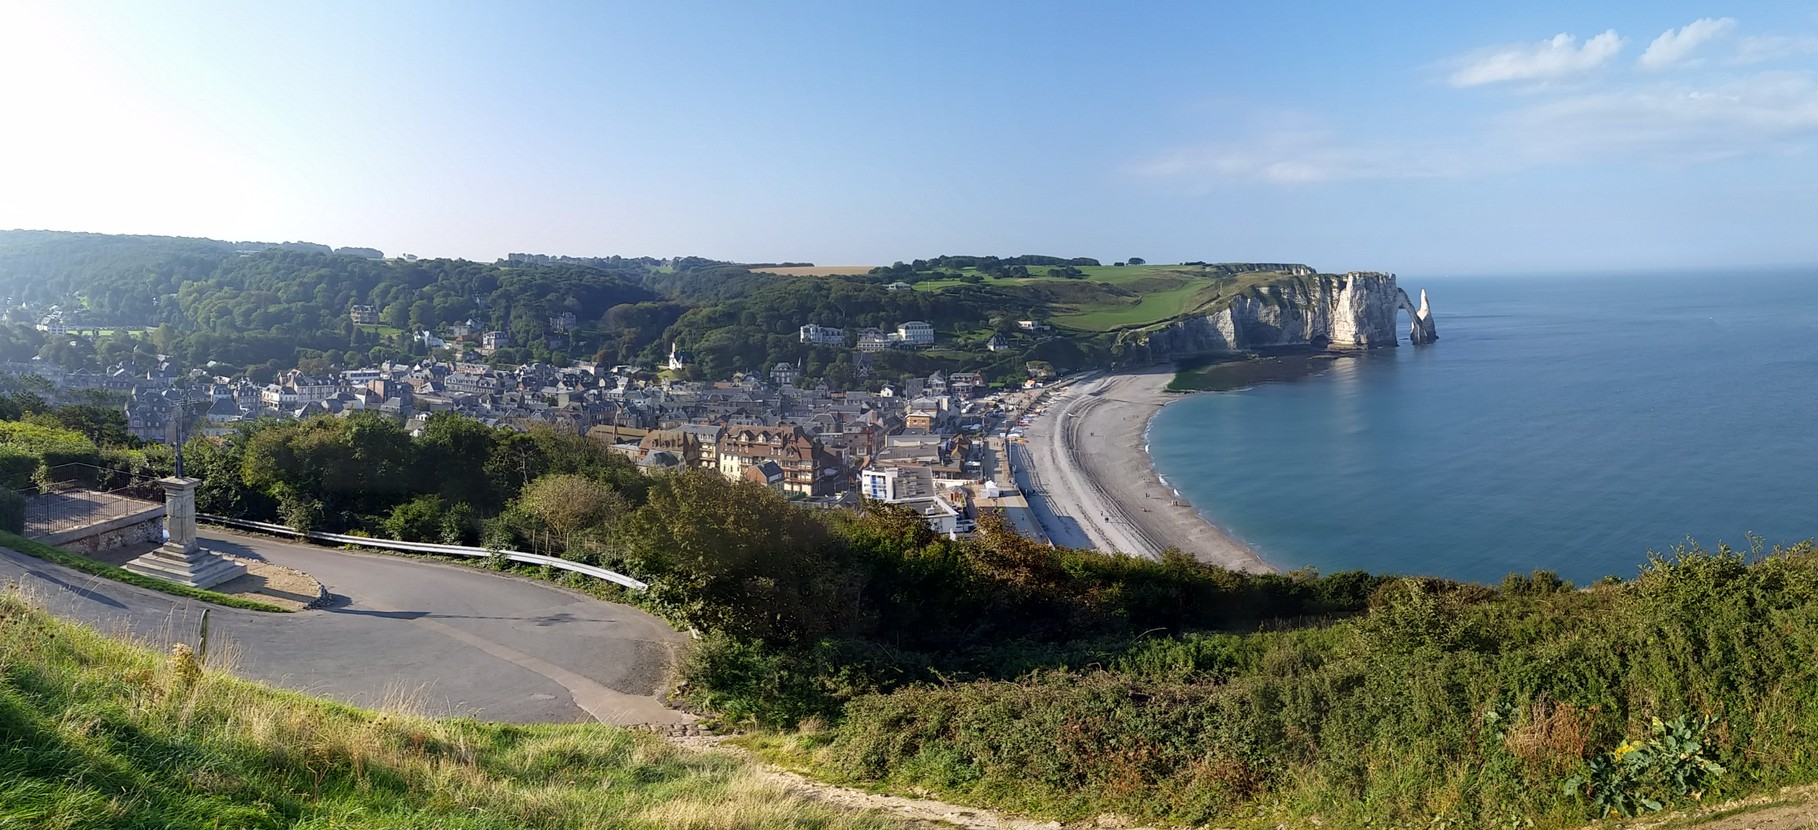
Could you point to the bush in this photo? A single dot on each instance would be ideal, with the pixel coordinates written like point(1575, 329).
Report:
point(12, 511)
point(16, 468)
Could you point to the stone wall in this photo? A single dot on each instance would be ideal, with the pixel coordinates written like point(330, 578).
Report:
point(137, 529)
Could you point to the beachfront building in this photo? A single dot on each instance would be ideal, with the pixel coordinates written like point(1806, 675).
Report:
point(897, 484)
point(916, 489)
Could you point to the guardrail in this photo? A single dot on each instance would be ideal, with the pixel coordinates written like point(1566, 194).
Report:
point(426, 547)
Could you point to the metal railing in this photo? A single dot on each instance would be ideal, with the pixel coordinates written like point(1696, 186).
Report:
point(426, 547)
point(58, 511)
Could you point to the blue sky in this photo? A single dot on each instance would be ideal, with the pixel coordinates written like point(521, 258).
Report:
point(1424, 138)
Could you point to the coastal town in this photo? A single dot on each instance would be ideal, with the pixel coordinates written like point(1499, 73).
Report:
point(936, 444)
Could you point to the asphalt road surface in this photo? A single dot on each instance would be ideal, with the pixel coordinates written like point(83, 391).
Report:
point(400, 634)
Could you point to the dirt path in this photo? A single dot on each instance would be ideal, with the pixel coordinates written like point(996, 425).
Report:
point(918, 812)
point(1794, 808)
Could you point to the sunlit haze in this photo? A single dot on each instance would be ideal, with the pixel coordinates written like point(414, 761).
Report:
point(1424, 138)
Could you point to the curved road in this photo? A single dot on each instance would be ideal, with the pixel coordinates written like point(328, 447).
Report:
point(401, 634)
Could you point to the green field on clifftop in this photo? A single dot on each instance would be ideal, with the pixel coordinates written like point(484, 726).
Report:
point(1113, 297)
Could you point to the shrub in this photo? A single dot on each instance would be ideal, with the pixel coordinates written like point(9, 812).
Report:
point(12, 511)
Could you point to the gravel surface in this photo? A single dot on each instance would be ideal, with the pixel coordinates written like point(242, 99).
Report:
point(1088, 464)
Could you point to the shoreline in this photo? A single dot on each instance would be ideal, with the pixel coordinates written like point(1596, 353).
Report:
point(1093, 483)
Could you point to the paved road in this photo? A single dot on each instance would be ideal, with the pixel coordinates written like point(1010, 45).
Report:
point(402, 633)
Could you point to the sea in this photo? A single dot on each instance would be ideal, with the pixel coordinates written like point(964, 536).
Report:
point(1571, 423)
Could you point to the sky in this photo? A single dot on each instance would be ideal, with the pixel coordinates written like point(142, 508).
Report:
point(1422, 138)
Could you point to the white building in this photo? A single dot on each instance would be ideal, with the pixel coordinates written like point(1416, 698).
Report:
point(915, 334)
point(823, 335)
point(897, 484)
point(872, 340)
point(916, 489)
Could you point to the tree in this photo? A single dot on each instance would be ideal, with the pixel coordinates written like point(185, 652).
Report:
point(1136, 260)
point(737, 558)
point(579, 510)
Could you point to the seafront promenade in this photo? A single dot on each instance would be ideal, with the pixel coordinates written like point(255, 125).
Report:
point(1086, 474)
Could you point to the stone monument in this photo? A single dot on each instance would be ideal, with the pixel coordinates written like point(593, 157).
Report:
point(179, 559)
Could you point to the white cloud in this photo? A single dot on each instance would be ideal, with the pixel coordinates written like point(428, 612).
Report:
point(1772, 47)
point(1671, 124)
point(1556, 57)
point(1303, 154)
point(1674, 45)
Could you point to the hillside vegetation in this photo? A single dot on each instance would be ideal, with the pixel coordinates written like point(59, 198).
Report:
point(256, 309)
point(95, 733)
point(1063, 683)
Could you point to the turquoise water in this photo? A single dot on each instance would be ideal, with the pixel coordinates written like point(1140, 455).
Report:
point(1568, 423)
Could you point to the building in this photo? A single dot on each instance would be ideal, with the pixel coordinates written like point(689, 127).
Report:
point(562, 322)
point(966, 384)
point(997, 343)
point(808, 469)
point(494, 340)
point(915, 334)
point(899, 286)
point(823, 335)
point(678, 360)
point(1031, 325)
point(689, 447)
point(364, 315)
point(897, 484)
point(784, 374)
point(914, 488)
point(872, 340)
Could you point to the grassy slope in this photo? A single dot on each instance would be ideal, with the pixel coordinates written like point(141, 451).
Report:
point(1455, 707)
point(86, 565)
point(97, 733)
point(1153, 293)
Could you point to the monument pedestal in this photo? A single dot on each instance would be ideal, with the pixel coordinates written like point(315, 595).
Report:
point(180, 560)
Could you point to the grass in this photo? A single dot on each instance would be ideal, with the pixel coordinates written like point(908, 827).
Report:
point(89, 566)
point(98, 733)
point(1142, 295)
point(1446, 705)
point(818, 270)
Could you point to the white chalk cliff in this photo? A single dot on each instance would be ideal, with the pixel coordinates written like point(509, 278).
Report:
point(1350, 311)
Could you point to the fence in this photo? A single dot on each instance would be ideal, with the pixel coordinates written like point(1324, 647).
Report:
point(425, 547)
point(49, 514)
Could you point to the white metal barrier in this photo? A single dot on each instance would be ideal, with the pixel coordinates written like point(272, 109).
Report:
point(425, 547)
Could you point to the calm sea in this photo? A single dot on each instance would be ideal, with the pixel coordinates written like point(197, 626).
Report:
point(1567, 423)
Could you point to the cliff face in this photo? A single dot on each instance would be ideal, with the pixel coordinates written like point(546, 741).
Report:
point(1353, 311)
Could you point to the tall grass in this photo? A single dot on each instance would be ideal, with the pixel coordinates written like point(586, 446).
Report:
point(96, 733)
point(1444, 705)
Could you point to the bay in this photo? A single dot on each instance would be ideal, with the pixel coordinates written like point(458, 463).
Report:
point(1563, 422)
